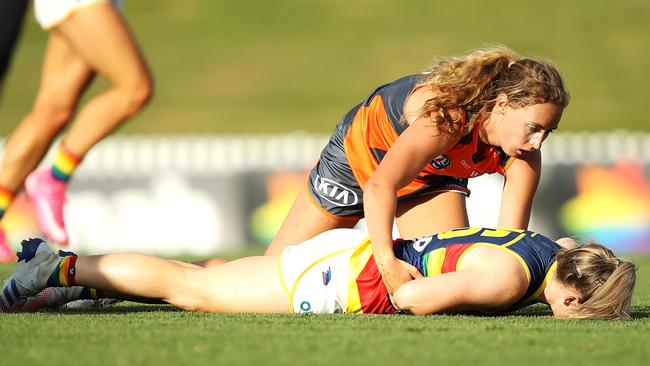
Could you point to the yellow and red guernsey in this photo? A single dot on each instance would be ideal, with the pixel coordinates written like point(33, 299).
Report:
point(443, 253)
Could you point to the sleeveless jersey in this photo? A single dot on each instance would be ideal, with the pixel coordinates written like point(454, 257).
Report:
point(372, 127)
point(443, 253)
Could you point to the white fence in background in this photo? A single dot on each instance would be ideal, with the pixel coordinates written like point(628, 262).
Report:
point(596, 147)
point(137, 155)
point(126, 188)
point(196, 154)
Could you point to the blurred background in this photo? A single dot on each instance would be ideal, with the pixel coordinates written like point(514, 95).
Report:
point(247, 92)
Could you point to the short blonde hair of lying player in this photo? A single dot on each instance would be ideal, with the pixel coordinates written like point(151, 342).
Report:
point(463, 270)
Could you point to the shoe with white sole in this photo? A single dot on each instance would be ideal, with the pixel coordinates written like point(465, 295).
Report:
point(36, 263)
point(66, 297)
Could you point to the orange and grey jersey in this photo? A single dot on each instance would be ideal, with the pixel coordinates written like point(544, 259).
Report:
point(444, 252)
point(364, 135)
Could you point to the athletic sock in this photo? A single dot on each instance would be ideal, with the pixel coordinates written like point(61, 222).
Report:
point(88, 293)
point(65, 164)
point(6, 196)
point(63, 275)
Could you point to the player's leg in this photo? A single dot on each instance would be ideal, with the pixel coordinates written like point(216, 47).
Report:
point(98, 35)
point(247, 285)
point(431, 214)
point(81, 297)
point(304, 221)
point(64, 76)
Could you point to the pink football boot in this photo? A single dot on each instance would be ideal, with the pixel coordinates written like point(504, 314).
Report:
point(48, 196)
point(6, 253)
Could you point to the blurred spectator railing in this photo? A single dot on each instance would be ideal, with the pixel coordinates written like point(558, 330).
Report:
point(201, 194)
point(137, 155)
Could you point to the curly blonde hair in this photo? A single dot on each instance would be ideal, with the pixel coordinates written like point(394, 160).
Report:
point(605, 283)
point(472, 82)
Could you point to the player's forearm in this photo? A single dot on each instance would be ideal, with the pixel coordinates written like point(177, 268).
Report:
point(514, 213)
point(519, 189)
point(379, 209)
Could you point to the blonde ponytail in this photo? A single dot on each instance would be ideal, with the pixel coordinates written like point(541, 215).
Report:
point(605, 283)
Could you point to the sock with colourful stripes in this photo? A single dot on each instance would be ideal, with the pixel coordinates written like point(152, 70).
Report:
point(65, 163)
point(91, 294)
point(6, 196)
point(63, 275)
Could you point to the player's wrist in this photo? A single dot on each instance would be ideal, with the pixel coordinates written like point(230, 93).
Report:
point(385, 258)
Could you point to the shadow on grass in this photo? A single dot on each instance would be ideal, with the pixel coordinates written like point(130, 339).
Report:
point(640, 312)
point(532, 311)
point(637, 312)
point(127, 308)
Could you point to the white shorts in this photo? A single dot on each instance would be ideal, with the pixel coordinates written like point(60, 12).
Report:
point(315, 272)
point(50, 13)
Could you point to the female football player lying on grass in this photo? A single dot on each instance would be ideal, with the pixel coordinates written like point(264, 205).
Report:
point(463, 270)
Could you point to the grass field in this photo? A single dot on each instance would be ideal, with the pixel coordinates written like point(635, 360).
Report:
point(248, 66)
point(132, 334)
point(233, 66)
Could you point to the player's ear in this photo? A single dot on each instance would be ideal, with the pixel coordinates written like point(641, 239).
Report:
point(501, 102)
point(571, 301)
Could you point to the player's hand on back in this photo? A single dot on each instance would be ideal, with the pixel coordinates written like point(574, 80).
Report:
point(396, 272)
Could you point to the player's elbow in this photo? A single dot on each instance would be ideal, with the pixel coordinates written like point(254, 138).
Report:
point(408, 300)
point(372, 186)
point(377, 187)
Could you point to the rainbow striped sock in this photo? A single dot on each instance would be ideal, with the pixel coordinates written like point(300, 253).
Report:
point(88, 293)
point(63, 275)
point(65, 164)
point(6, 196)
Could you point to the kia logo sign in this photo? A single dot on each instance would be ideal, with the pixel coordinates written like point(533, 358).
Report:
point(334, 192)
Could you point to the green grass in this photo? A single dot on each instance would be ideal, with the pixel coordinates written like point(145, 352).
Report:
point(166, 337)
point(132, 334)
point(242, 66)
point(235, 66)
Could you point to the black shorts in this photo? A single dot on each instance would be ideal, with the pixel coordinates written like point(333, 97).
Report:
point(333, 187)
point(12, 14)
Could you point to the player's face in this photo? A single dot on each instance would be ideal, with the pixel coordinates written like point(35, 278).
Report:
point(522, 130)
